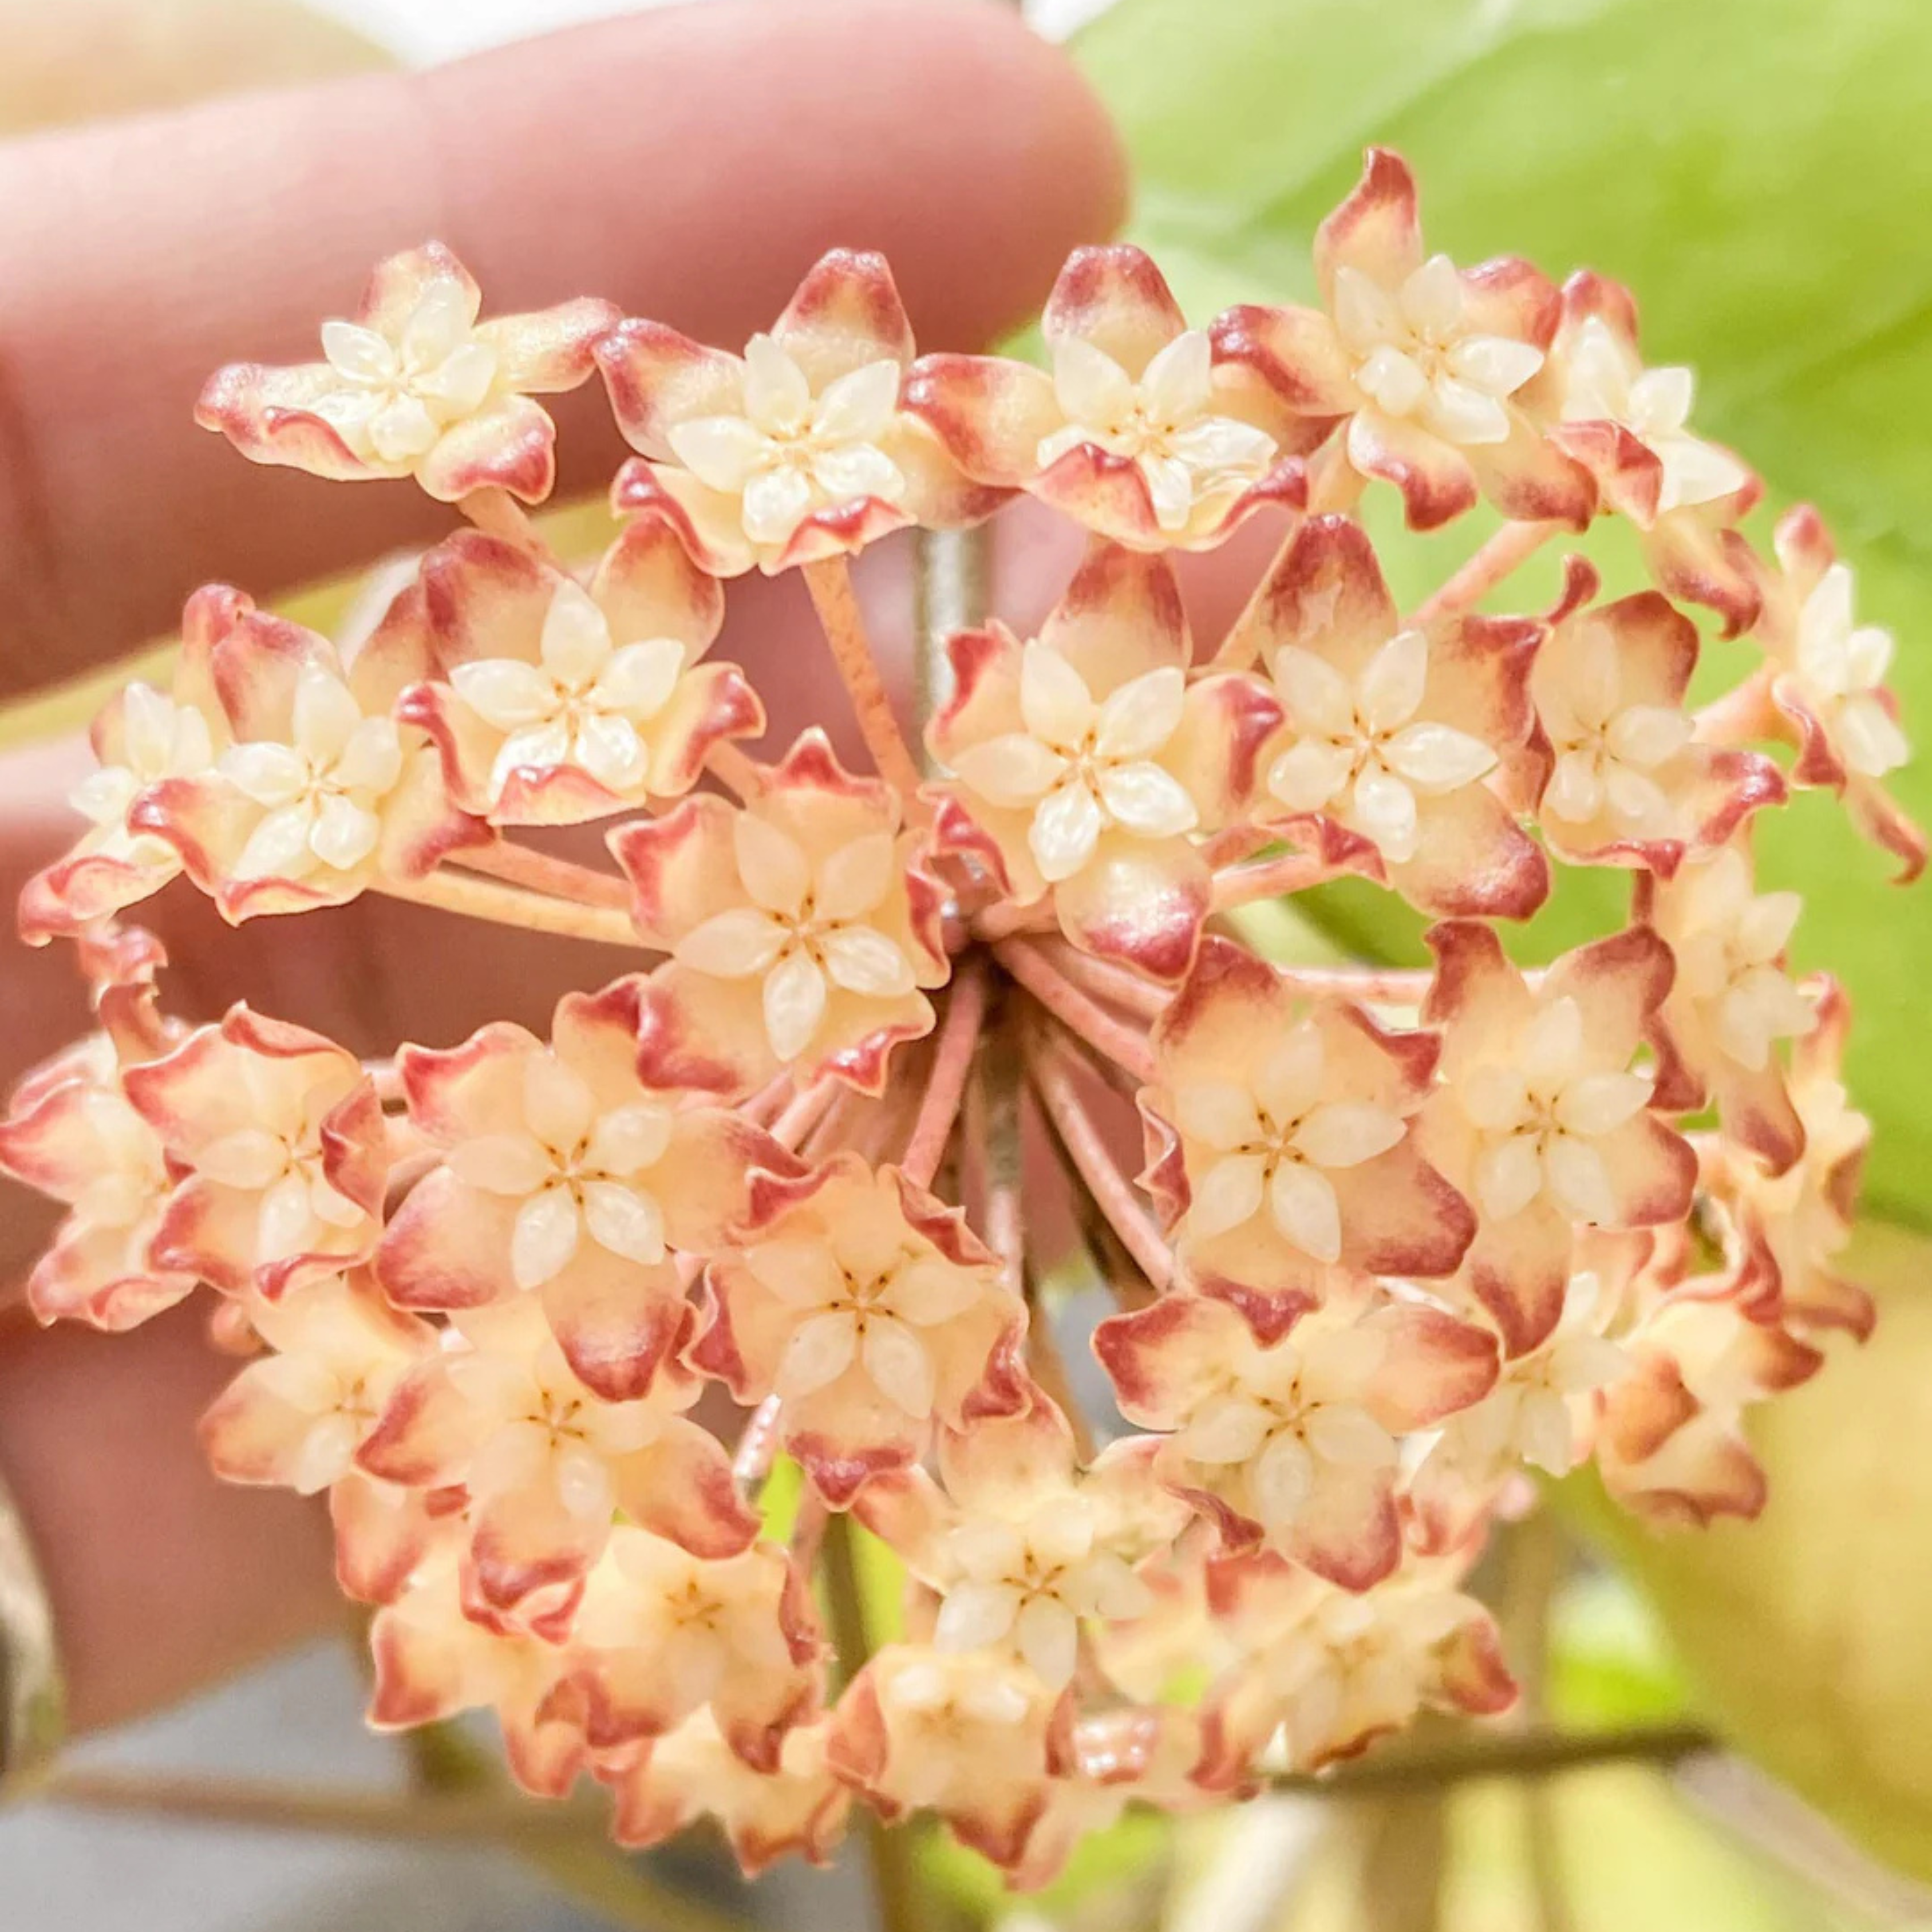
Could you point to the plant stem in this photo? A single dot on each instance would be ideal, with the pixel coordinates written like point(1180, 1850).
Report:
point(803, 1112)
point(1268, 879)
point(1112, 1193)
point(1742, 716)
point(1512, 546)
point(1118, 985)
point(946, 1079)
point(734, 770)
point(498, 513)
point(757, 1444)
point(510, 905)
point(1521, 1754)
point(539, 872)
point(1393, 987)
point(830, 581)
point(895, 1890)
point(1124, 1044)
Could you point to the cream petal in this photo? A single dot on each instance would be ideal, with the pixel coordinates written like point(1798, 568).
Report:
point(1054, 700)
point(899, 1365)
point(1281, 1480)
point(794, 1004)
point(1147, 800)
point(1495, 1097)
point(462, 385)
point(439, 323)
point(772, 864)
point(1136, 721)
point(1345, 1432)
point(1508, 1177)
point(1289, 1073)
point(1091, 388)
point(974, 1614)
point(1220, 1114)
point(533, 747)
point(859, 406)
point(723, 452)
point(638, 679)
point(858, 470)
point(251, 1158)
point(543, 1238)
point(1552, 1043)
point(778, 394)
point(505, 692)
point(1228, 1429)
point(610, 751)
point(1317, 697)
point(1219, 448)
point(1437, 758)
point(1696, 472)
point(1579, 1181)
point(1825, 622)
point(1178, 383)
point(1170, 487)
point(864, 960)
point(1393, 379)
point(625, 1221)
point(1545, 1435)
point(1383, 810)
point(856, 879)
point(1047, 1635)
point(266, 772)
point(402, 430)
point(1647, 734)
point(1302, 1200)
point(1660, 399)
point(630, 1138)
point(732, 945)
point(1366, 312)
point(1765, 925)
point(1639, 805)
point(775, 502)
point(1391, 684)
point(1869, 738)
point(802, 1273)
point(1345, 1133)
point(371, 760)
point(820, 1350)
point(1462, 414)
point(1867, 657)
point(359, 354)
point(1432, 298)
point(1575, 792)
point(285, 1221)
point(1600, 1102)
point(103, 796)
point(511, 1164)
point(576, 639)
point(1226, 1194)
point(1497, 365)
point(1065, 828)
point(1307, 776)
point(343, 833)
point(559, 1106)
point(1012, 770)
point(930, 1290)
point(278, 847)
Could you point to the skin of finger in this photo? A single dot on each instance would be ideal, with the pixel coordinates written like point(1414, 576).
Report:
point(690, 164)
point(161, 1578)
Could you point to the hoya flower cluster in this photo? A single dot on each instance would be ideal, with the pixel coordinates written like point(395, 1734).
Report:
point(1399, 1236)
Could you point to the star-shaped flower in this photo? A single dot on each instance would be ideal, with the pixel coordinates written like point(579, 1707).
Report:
point(1423, 363)
point(1087, 759)
point(1405, 749)
point(1136, 433)
point(416, 386)
point(799, 449)
point(801, 927)
point(555, 701)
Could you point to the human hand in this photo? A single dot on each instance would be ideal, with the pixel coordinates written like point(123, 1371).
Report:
point(688, 164)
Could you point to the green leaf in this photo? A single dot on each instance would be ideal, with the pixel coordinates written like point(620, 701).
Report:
point(1745, 165)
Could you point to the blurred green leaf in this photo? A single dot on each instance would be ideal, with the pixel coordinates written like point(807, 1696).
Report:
point(1751, 167)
